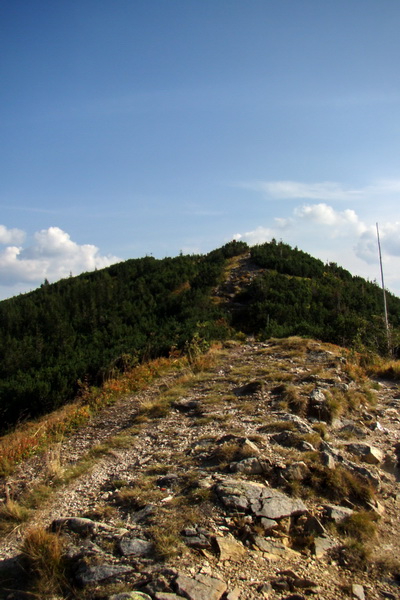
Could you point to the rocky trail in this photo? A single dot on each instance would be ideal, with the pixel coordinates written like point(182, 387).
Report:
point(271, 474)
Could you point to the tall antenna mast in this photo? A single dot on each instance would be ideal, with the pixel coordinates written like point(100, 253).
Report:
point(383, 290)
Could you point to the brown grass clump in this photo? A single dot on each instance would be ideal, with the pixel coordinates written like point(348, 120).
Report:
point(361, 526)
point(42, 552)
point(296, 403)
point(12, 514)
point(387, 369)
point(231, 451)
point(143, 491)
point(338, 483)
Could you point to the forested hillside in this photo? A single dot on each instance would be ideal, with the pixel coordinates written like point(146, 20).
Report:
point(82, 328)
point(300, 295)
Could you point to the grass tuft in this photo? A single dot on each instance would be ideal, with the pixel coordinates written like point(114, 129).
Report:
point(12, 514)
point(42, 552)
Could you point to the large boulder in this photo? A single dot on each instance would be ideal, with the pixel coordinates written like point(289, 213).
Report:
point(367, 453)
point(258, 499)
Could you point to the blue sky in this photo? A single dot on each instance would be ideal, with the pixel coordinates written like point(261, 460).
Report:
point(134, 127)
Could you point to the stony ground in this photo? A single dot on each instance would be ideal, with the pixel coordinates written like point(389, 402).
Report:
point(263, 476)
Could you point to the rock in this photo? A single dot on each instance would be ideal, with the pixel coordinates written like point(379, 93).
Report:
point(290, 439)
point(249, 447)
point(311, 525)
point(258, 499)
point(249, 466)
point(229, 548)
point(170, 480)
point(337, 513)
point(135, 547)
point(268, 524)
point(233, 594)
point(351, 429)
point(296, 471)
point(373, 479)
point(167, 596)
point(279, 505)
point(322, 544)
point(273, 547)
point(200, 587)
point(76, 524)
point(143, 514)
point(358, 591)
point(328, 460)
point(318, 406)
point(130, 596)
point(186, 405)
point(250, 388)
point(367, 453)
point(11, 569)
point(196, 537)
point(85, 574)
point(300, 424)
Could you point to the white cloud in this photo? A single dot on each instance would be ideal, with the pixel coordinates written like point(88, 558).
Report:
point(325, 190)
point(258, 236)
point(341, 222)
point(389, 234)
point(11, 236)
point(329, 191)
point(51, 256)
point(315, 228)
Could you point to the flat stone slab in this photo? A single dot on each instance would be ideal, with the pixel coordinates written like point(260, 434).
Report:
point(200, 587)
point(258, 499)
point(229, 548)
point(337, 513)
point(87, 575)
point(322, 544)
point(135, 547)
point(273, 547)
point(130, 596)
point(167, 596)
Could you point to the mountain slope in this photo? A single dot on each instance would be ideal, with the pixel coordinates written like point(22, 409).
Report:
point(82, 330)
point(192, 468)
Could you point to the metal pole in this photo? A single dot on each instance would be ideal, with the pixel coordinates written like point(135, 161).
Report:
point(383, 290)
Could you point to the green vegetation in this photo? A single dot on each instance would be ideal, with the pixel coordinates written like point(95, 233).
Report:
point(72, 337)
point(299, 295)
point(88, 328)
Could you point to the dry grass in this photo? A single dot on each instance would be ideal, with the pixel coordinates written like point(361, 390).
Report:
point(361, 526)
point(231, 451)
point(187, 509)
point(12, 514)
point(337, 484)
point(34, 436)
point(143, 491)
point(43, 556)
point(153, 409)
point(294, 400)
